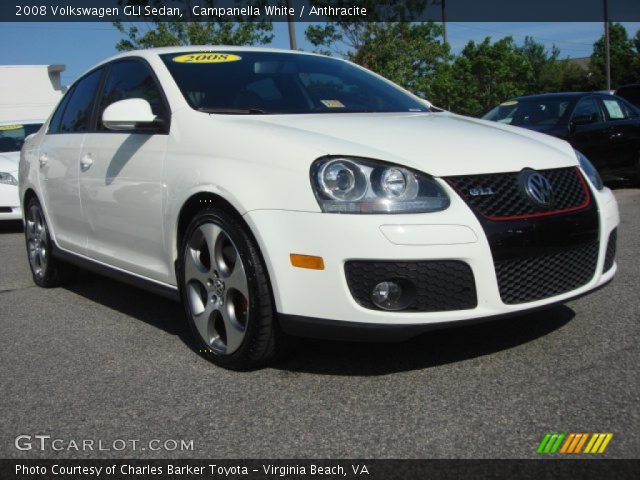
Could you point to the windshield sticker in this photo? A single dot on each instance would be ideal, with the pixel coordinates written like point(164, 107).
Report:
point(508, 103)
point(332, 103)
point(206, 57)
point(10, 127)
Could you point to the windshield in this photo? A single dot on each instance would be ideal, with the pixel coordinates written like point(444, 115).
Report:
point(531, 112)
point(12, 136)
point(267, 82)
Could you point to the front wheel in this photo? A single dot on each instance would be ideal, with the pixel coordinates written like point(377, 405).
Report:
point(226, 292)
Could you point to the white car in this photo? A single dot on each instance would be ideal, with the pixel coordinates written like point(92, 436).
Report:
point(12, 135)
point(278, 192)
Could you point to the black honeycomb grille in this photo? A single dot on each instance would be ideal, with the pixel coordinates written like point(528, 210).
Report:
point(509, 200)
point(440, 285)
point(610, 255)
point(528, 279)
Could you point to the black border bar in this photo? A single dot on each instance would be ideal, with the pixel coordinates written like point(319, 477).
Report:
point(557, 468)
point(318, 10)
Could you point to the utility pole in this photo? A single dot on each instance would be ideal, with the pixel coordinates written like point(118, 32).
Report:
point(607, 45)
point(444, 21)
point(292, 29)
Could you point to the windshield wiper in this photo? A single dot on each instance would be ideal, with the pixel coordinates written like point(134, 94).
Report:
point(232, 111)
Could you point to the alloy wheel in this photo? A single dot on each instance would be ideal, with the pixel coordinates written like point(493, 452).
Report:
point(37, 241)
point(216, 286)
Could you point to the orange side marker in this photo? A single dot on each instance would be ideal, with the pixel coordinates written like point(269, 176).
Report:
point(307, 261)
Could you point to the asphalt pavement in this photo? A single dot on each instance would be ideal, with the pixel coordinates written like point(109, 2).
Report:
point(99, 360)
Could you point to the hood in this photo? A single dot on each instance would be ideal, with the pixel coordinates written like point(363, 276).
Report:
point(440, 144)
point(9, 162)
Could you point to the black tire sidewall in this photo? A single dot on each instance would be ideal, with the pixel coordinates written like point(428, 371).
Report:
point(246, 356)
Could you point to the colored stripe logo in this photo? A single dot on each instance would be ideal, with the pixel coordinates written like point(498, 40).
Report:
point(573, 443)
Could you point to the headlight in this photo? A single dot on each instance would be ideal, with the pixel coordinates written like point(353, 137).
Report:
point(7, 179)
point(590, 170)
point(354, 185)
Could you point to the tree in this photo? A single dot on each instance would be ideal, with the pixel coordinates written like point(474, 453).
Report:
point(624, 64)
point(166, 34)
point(409, 54)
point(485, 74)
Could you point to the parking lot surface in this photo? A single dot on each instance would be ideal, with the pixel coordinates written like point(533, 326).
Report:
point(99, 360)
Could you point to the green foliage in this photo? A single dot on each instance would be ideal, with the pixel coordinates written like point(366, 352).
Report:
point(483, 74)
point(625, 65)
point(165, 34)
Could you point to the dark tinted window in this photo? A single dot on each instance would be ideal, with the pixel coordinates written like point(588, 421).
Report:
point(268, 82)
point(54, 124)
point(77, 114)
point(131, 79)
point(534, 112)
point(12, 136)
point(588, 107)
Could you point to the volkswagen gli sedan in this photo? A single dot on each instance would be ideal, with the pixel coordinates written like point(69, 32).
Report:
point(280, 193)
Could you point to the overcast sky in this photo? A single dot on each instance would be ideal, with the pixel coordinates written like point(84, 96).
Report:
point(81, 45)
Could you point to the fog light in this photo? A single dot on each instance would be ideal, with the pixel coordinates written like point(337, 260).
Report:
point(387, 295)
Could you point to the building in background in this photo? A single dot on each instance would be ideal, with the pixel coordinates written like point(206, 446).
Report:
point(29, 92)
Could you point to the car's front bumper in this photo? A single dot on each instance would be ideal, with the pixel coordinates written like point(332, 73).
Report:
point(455, 234)
point(9, 203)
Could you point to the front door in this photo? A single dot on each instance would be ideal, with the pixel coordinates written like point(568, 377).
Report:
point(121, 180)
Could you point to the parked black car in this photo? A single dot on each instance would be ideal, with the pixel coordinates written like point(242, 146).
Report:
point(631, 93)
point(604, 127)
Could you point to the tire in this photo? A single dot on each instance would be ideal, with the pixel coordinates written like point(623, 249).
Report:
point(226, 292)
point(46, 270)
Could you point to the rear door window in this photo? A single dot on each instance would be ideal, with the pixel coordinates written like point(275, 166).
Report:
point(615, 110)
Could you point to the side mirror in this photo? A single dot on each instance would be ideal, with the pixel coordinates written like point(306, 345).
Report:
point(581, 120)
point(128, 115)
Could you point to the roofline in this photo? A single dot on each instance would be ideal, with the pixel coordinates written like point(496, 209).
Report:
point(146, 52)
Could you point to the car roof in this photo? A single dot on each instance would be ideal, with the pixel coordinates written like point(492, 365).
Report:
point(152, 52)
point(157, 51)
point(549, 96)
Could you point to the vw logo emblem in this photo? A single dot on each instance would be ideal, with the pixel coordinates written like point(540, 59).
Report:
point(538, 188)
point(218, 287)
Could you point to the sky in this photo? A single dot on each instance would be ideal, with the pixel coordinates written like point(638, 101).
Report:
point(81, 45)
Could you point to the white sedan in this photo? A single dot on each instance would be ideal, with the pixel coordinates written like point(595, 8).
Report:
point(12, 135)
point(282, 193)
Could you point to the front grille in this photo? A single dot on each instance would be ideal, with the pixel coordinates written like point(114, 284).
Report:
point(508, 199)
point(6, 209)
point(610, 255)
point(439, 285)
point(523, 280)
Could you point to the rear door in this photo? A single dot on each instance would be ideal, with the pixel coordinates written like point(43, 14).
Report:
point(121, 178)
point(59, 159)
point(623, 134)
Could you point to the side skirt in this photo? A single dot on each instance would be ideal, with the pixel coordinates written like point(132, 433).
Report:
point(162, 289)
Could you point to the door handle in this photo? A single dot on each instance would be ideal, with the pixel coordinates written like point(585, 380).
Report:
point(86, 162)
point(43, 160)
